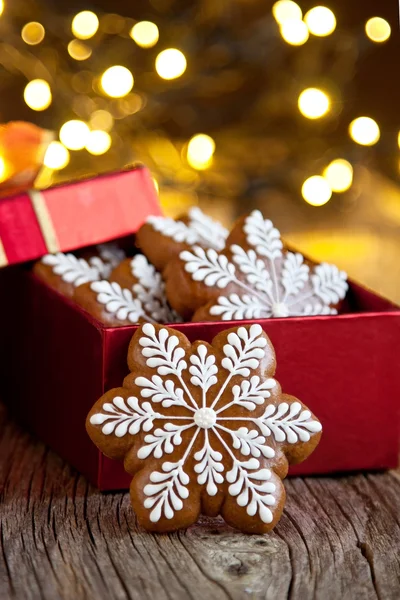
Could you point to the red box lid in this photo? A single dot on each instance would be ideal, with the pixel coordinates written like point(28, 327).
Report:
point(81, 213)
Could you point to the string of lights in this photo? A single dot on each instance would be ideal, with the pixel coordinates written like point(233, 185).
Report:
point(150, 94)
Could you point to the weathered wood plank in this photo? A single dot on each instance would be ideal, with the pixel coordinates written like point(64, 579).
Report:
point(61, 539)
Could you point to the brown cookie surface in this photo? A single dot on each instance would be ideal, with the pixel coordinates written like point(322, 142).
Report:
point(254, 277)
point(203, 428)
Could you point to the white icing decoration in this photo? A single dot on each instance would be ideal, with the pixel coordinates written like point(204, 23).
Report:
point(122, 417)
point(118, 301)
point(71, 269)
point(176, 230)
point(111, 253)
point(110, 256)
point(150, 291)
point(272, 284)
point(149, 304)
point(288, 422)
point(200, 229)
point(210, 233)
point(190, 384)
point(257, 497)
point(208, 266)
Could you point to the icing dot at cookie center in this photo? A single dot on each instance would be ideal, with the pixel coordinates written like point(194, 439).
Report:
point(280, 309)
point(205, 418)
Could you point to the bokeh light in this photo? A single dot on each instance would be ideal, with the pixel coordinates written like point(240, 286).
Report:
point(37, 94)
point(74, 134)
point(3, 170)
point(339, 174)
point(200, 150)
point(101, 119)
point(78, 50)
point(33, 33)
point(377, 29)
point(313, 103)
point(85, 24)
point(286, 10)
point(316, 191)
point(1, 6)
point(57, 156)
point(294, 32)
point(117, 81)
point(170, 63)
point(365, 131)
point(320, 21)
point(145, 34)
point(98, 142)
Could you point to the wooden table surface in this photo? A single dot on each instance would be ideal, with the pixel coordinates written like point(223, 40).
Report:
point(60, 538)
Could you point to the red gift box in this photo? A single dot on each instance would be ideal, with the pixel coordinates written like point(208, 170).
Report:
point(66, 217)
point(345, 368)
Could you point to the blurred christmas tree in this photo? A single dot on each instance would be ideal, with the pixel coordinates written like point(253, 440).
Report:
point(240, 100)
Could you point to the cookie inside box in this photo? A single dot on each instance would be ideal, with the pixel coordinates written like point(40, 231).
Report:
point(59, 360)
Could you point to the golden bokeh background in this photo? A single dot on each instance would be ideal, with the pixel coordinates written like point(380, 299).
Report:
point(291, 107)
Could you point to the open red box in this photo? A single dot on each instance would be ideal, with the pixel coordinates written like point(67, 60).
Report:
point(345, 368)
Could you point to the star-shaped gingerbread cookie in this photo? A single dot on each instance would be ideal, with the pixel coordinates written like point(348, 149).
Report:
point(254, 277)
point(203, 428)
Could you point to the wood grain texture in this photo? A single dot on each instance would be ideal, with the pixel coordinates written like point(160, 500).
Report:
point(339, 538)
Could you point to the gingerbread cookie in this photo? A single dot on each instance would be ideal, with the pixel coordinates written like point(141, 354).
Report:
point(162, 239)
point(135, 294)
point(203, 428)
point(254, 277)
point(65, 272)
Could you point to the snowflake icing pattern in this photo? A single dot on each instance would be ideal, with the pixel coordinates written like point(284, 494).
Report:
point(208, 408)
point(200, 229)
point(266, 281)
point(145, 301)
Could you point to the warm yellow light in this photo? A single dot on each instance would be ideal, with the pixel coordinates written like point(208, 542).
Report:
point(117, 81)
point(78, 50)
point(313, 103)
point(145, 34)
point(294, 32)
point(156, 185)
point(56, 157)
point(316, 191)
point(101, 119)
point(1, 6)
point(98, 142)
point(37, 94)
point(320, 21)
point(377, 29)
point(170, 63)
point(3, 170)
point(74, 134)
point(286, 10)
point(85, 24)
point(339, 174)
point(200, 150)
point(33, 33)
point(364, 131)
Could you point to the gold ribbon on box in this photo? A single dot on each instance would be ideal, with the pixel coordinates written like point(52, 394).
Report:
point(45, 223)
